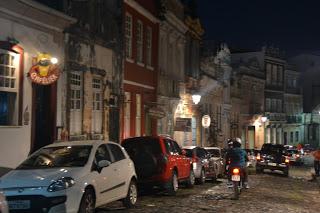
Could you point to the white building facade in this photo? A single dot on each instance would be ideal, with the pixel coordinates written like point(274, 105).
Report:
point(28, 32)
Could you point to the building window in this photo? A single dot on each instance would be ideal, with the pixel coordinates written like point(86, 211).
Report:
point(279, 105)
point(268, 104)
point(127, 114)
point(76, 103)
point(273, 105)
point(128, 35)
point(297, 136)
point(97, 105)
point(9, 88)
point(280, 75)
point(149, 46)
point(274, 74)
point(139, 41)
point(291, 137)
point(138, 114)
point(269, 71)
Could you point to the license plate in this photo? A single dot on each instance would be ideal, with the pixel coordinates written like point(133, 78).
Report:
point(19, 204)
point(272, 164)
point(235, 177)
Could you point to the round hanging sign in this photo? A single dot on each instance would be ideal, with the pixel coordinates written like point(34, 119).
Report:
point(44, 72)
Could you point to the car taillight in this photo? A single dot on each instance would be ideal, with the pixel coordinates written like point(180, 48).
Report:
point(286, 160)
point(258, 157)
point(195, 159)
point(235, 171)
point(298, 156)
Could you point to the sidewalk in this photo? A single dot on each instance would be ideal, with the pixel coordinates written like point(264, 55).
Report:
point(4, 170)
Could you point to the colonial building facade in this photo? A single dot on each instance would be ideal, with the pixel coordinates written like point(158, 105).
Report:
point(172, 45)
point(141, 30)
point(31, 84)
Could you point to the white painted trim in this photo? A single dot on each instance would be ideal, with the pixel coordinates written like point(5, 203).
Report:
point(142, 10)
point(140, 64)
point(48, 10)
point(16, 15)
point(138, 84)
point(150, 67)
point(130, 60)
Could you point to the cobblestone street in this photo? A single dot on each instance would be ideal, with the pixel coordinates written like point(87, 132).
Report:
point(268, 193)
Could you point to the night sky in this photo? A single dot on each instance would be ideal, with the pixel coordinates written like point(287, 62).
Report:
point(291, 25)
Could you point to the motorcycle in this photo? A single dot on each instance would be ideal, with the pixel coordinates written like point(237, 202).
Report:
point(237, 181)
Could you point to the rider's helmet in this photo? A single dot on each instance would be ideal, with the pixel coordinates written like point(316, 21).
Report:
point(237, 142)
point(229, 142)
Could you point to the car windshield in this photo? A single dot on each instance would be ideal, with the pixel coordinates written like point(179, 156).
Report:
point(61, 156)
point(214, 152)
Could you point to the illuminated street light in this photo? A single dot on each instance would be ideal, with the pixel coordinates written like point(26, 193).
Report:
point(196, 98)
point(54, 60)
point(264, 119)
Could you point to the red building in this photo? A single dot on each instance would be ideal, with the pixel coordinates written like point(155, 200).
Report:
point(141, 29)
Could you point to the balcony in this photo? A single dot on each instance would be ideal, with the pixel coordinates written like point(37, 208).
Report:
point(276, 116)
point(292, 90)
point(294, 119)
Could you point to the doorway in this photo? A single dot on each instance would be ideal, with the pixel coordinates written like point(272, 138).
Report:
point(251, 136)
point(44, 102)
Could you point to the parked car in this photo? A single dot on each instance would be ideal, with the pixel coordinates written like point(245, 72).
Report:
point(218, 160)
point(71, 177)
point(159, 161)
point(203, 166)
point(252, 155)
point(294, 156)
point(3, 204)
point(273, 157)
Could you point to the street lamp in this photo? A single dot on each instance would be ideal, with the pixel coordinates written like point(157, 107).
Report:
point(196, 98)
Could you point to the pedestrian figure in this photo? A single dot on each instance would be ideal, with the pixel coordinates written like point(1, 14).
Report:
point(316, 156)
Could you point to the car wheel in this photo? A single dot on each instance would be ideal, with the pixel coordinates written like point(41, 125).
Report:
point(191, 179)
point(88, 202)
point(259, 170)
point(202, 177)
point(173, 184)
point(132, 195)
point(286, 172)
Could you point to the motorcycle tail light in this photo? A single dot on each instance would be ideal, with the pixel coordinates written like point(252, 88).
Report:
point(258, 157)
point(235, 171)
point(286, 160)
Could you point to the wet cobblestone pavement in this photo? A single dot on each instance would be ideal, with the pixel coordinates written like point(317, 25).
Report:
point(269, 192)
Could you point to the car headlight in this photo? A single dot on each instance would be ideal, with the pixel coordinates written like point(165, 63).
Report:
point(61, 184)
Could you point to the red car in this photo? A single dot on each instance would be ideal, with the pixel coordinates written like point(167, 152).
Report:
point(159, 161)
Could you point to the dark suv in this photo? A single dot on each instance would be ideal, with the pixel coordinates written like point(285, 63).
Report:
point(159, 161)
point(273, 157)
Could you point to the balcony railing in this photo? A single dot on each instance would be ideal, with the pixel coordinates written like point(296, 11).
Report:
point(294, 119)
point(276, 116)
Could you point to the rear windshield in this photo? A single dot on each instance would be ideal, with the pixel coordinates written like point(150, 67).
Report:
point(189, 152)
point(134, 146)
point(272, 149)
point(292, 151)
point(214, 152)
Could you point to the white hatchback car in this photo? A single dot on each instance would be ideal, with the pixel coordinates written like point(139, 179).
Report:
point(71, 177)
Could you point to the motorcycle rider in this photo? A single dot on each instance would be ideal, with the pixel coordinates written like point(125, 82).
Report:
point(238, 158)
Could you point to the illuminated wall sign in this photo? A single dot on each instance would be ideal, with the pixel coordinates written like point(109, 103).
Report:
point(44, 70)
point(206, 121)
